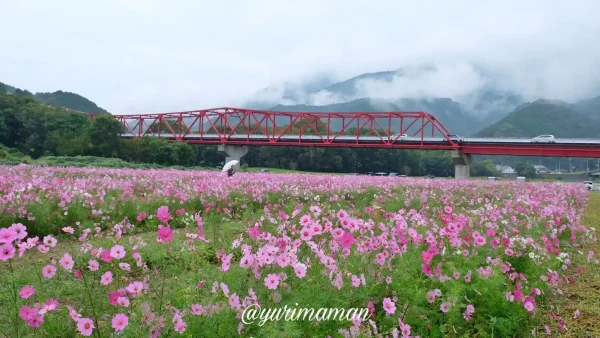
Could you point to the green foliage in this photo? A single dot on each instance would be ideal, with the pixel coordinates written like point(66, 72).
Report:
point(104, 137)
point(485, 168)
point(70, 101)
point(36, 130)
point(526, 170)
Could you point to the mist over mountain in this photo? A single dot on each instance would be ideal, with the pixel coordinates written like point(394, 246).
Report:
point(453, 93)
point(466, 97)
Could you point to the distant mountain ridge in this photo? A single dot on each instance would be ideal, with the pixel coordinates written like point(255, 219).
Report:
point(60, 99)
point(468, 115)
point(556, 118)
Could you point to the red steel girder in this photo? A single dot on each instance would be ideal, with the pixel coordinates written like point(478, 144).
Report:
point(226, 122)
point(544, 150)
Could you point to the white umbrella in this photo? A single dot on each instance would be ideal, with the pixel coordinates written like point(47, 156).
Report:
point(229, 165)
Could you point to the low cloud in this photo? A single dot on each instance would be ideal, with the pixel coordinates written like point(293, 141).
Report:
point(464, 82)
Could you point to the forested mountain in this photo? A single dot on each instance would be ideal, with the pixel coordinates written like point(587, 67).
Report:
point(544, 117)
point(449, 112)
point(590, 107)
point(58, 99)
point(541, 117)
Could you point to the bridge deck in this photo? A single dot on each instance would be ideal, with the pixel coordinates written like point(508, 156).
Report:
point(365, 139)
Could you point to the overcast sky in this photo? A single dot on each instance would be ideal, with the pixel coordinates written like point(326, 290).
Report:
point(146, 56)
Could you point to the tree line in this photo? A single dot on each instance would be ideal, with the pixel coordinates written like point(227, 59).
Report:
point(37, 130)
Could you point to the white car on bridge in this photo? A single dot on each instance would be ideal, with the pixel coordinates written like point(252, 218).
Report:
point(544, 139)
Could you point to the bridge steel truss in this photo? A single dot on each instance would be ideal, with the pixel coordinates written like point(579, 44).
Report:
point(234, 126)
point(246, 127)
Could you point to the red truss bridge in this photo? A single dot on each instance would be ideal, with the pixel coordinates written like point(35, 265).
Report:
point(233, 129)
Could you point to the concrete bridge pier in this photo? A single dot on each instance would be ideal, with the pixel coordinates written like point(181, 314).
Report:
point(462, 164)
point(233, 153)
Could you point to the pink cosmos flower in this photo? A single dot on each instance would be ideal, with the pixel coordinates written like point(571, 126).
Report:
point(7, 235)
point(355, 281)
point(300, 270)
point(106, 278)
point(234, 301)
point(26, 312)
point(50, 241)
point(27, 291)
point(445, 307)
point(163, 214)
point(49, 271)
point(197, 309)
point(43, 248)
point(141, 216)
point(117, 252)
point(20, 229)
point(7, 251)
point(405, 330)
point(93, 265)
point(305, 220)
point(113, 297)
point(35, 321)
point(306, 234)
point(123, 301)
point(155, 332)
point(165, 234)
point(529, 306)
point(254, 232)
point(135, 288)
point(85, 326)
point(106, 256)
point(67, 262)
point(272, 281)
point(346, 240)
point(52, 303)
point(430, 297)
point(180, 326)
point(119, 322)
point(426, 269)
point(389, 306)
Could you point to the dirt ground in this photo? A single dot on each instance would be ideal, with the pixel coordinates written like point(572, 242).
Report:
point(584, 295)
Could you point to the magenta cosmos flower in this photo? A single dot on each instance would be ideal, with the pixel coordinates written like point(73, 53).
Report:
point(27, 291)
point(346, 240)
point(165, 234)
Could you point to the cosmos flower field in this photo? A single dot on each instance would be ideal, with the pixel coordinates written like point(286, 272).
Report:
point(132, 253)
